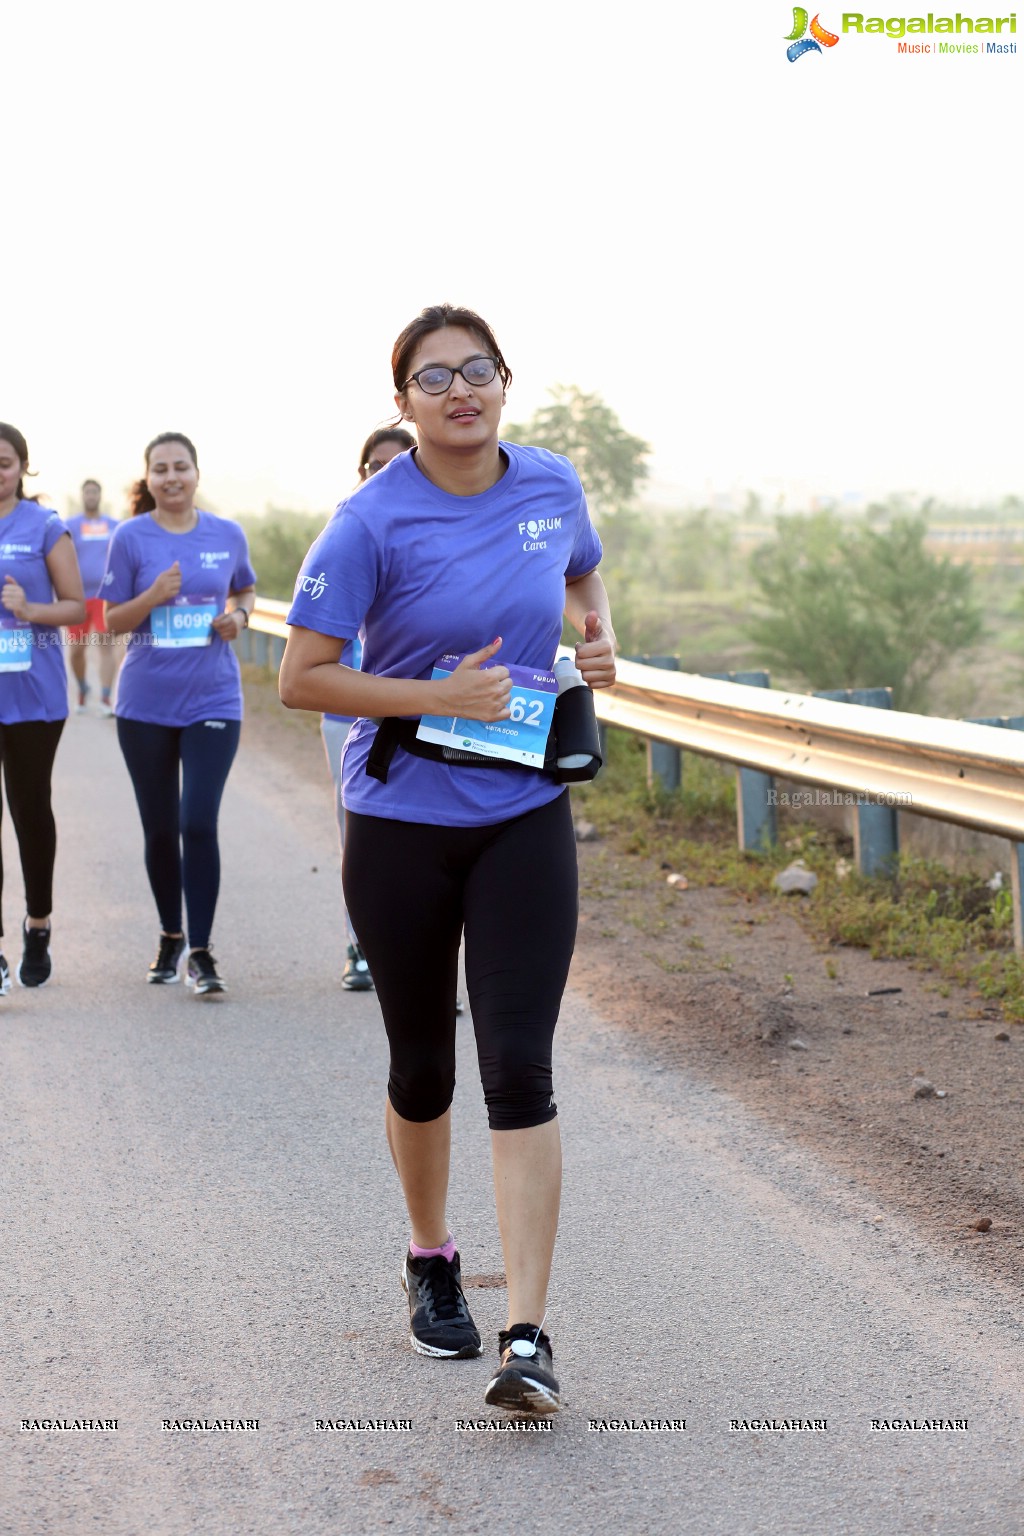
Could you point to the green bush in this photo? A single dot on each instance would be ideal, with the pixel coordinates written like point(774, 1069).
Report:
point(278, 543)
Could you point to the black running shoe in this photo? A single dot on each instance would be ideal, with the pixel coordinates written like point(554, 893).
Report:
point(525, 1382)
point(36, 965)
point(202, 974)
point(5, 977)
point(166, 968)
point(440, 1323)
point(356, 975)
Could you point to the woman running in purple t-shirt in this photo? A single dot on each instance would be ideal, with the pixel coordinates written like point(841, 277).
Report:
point(40, 589)
point(465, 539)
point(180, 585)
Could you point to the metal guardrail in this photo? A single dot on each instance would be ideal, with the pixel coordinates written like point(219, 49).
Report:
point(972, 775)
point(952, 770)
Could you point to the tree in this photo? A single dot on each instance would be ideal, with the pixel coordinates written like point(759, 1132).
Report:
point(861, 607)
point(695, 552)
point(278, 543)
point(585, 430)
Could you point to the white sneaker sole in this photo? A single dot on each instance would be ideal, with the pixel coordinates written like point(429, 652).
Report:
point(206, 993)
point(168, 981)
point(523, 1395)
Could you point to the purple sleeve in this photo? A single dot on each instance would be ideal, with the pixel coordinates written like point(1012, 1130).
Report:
point(118, 583)
point(54, 528)
point(243, 574)
point(339, 579)
point(586, 546)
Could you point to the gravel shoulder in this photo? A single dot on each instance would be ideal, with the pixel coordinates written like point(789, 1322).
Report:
point(824, 1043)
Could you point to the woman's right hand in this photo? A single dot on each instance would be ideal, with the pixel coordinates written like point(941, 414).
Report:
point(476, 691)
point(166, 586)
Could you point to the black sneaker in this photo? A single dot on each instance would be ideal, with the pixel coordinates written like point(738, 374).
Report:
point(166, 967)
point(525, 1382)
point(36, 965)
point(440, 1323)
point(202, 974)
point(356, 975)
point(5, 977)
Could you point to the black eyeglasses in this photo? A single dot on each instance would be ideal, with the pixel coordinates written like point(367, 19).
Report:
point(438, 380)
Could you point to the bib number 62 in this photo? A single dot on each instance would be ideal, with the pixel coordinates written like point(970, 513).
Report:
point(525, 711)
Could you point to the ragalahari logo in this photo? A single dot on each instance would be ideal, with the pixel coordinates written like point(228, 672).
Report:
point(799, 44)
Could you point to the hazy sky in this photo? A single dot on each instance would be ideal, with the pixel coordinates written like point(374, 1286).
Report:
point(793, 277)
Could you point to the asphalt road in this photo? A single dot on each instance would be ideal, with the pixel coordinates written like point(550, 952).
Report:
point(199, 1220)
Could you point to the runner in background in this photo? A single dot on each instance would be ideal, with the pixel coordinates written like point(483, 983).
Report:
point(40, 590)
point(475, 547)
point(180, 585)
point(91, 533)
point(379, 449)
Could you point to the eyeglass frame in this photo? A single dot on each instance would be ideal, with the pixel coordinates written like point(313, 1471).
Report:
point(414, 378)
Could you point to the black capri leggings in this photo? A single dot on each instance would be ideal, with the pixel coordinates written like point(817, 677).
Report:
point(27, 751)
point(411, 889)
point(179, 773)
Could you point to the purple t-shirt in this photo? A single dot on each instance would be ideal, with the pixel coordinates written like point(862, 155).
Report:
point(91, 537)
point(435, 573)
point(178, 670)
point(33, 679)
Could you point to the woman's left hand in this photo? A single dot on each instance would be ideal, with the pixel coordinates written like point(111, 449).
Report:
point(595, 654)
point(14, 599)
point(229, 625)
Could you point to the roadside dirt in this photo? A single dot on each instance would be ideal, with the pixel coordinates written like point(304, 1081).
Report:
point(824, 1043)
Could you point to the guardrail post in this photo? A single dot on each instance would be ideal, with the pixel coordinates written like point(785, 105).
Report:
point(876, 836)
point(757, 825)
point(756, 818)
point(1017, 888)
point(1013, 723)
point(664, 762)
point(260, 648)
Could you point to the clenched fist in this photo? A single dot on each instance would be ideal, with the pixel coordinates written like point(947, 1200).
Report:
point(595, 654)
point(167, 585)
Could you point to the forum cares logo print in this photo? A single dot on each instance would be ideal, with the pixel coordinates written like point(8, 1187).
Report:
point(799, 43)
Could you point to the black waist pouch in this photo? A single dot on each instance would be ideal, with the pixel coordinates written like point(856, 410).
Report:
point(574, 736)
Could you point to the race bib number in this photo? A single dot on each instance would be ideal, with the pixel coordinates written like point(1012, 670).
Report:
point(16, 641)
point(186, 621)
point(98, 529)
point(522, 738)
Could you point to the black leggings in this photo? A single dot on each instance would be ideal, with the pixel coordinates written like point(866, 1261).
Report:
point(411, 889)
point(27, 751)
point(179, 773)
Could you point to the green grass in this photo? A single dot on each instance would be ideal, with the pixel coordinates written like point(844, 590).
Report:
point(950, 924)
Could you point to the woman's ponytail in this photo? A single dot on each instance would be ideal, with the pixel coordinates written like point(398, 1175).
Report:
point(140, 499)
